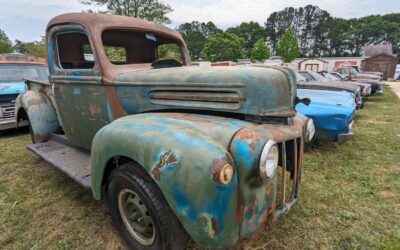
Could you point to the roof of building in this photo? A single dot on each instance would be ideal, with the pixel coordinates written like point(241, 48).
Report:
point(374, 50)
point(319, 59)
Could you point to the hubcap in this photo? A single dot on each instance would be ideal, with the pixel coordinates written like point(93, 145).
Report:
point(136, 217)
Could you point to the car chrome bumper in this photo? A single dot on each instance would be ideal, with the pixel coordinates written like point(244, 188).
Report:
point(345, 137)
point(379, 92)
point(7, 124)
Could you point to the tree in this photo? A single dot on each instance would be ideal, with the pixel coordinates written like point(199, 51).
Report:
point(251, 32)
point(5, 43)
point(260, 51)
point(310, 24)
point(223, 47)
point(35, 48)
point(151, 10)
point(288, 47)
point(195, 34)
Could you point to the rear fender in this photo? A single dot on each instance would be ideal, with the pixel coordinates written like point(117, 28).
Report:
point(185, 165)
point(42, 117)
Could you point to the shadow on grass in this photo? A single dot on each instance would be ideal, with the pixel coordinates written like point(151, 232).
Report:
point(13, 132)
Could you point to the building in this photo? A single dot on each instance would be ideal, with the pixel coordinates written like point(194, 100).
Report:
point(314, 64)
point(380, 58)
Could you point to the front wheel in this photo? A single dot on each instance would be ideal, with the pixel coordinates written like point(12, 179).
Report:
point(140, 212)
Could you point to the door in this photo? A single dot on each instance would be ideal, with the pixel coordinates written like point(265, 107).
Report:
point(77, 85)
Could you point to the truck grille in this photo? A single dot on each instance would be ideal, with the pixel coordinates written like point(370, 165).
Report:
point(289, 176)
point(8, 110)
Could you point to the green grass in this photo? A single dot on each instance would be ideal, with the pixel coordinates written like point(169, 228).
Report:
point(350, 197)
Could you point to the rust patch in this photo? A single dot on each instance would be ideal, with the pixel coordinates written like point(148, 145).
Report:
point(251, 137)
point(214, 226)
point(166, 159)
point(218, 164)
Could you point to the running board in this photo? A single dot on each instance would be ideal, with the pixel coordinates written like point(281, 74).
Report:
point(72, 161)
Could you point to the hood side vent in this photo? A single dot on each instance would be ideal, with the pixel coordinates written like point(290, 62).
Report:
point(207, 98)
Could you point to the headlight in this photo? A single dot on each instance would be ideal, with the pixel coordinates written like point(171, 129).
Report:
point(269, 160)
point(310, 131)
point(1, 113)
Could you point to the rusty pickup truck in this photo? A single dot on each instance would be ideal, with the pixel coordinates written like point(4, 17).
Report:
point(175, 150)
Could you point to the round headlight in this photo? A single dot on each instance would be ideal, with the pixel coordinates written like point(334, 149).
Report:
point(310, 131)
point(269, 160)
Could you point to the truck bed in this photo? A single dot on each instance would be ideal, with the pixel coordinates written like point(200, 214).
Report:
point(72, 161)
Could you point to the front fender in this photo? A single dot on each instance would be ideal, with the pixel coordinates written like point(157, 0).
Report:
point(42, 117)
point(183, 162)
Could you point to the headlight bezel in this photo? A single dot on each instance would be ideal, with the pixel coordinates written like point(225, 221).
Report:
point(269, 159)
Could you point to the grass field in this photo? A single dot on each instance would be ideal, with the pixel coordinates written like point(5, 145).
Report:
point(350, 196)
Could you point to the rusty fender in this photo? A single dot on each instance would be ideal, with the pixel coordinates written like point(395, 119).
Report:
point(42, 117)
point(183, 153)
point(183, 162)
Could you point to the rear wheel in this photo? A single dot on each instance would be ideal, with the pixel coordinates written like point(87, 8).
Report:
point(140, 212)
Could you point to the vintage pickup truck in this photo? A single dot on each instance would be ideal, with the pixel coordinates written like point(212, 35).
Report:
point(175, 150)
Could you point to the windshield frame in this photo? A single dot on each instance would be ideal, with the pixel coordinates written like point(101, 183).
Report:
point(144, 65)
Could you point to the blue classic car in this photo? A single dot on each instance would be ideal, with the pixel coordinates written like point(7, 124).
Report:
point(12, 75)
point(333, 113)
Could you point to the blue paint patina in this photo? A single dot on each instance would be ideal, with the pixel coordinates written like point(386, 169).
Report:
point(12, 88)
point(330, 120)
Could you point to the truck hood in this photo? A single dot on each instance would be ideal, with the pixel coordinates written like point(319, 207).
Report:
point(11, 88)
point(255, 91)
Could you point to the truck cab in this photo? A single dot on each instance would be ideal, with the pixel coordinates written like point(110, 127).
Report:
point(212, 153)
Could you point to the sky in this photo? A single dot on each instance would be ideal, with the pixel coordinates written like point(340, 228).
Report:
point(26, 20)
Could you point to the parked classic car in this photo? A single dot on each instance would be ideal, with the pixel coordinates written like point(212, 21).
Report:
point(366, 88)
point(332, 122)
point(12, 75)
point(332, 112)
point(173, 149)
point(313, 80)
point(359, 70)
point(376, 85)
point(353, 74)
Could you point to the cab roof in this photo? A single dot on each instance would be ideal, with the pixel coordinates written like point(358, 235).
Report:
point(99, 22)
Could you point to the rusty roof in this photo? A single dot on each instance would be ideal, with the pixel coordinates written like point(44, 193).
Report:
point(100, 22)
point(374, 50)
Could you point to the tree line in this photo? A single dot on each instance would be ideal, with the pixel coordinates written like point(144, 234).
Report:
point(305, 31)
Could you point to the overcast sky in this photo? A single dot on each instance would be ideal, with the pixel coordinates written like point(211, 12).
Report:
point(26, 19)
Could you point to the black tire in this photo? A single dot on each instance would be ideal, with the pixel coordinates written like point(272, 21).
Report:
point(169, 233)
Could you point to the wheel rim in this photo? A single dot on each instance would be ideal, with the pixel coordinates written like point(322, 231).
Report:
point(136, 217)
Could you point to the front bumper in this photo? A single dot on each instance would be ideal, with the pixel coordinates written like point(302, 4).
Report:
point(7, 124)
point(342, 138)
point(379, 91)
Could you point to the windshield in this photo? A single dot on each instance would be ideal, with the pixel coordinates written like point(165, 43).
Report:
point(337, 76)
point(356, 69)
point(331, 77)
point(353, 71)
point(136, 47)
point(317, 76)
point(19, 72)
point(300, 78)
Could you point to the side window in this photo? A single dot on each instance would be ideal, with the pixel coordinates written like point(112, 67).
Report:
point(74, 51)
